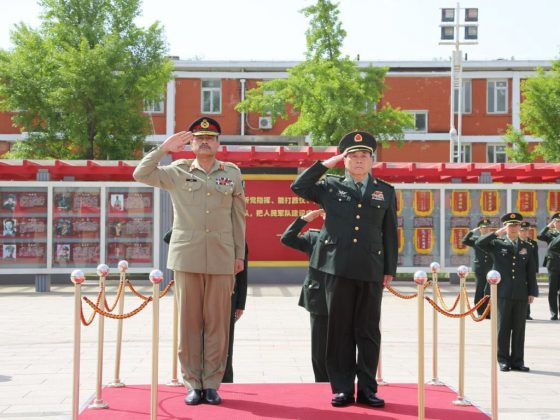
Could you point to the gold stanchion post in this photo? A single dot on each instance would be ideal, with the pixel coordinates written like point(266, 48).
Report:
point(156, 276)
point(117, 383)
point(77, 278)
point(420, 278)
point(434, 268)
point(463, 272)
point(174, 381)
point(98, 403)
point(493, 277)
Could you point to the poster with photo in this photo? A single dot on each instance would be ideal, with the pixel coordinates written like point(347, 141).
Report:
point(130, 202)
point(116, 202)
point(129, 227)
point(31, 227)
point(134, 253)
point(76, 227)
point(76, 202)
point(9, 228)
point(24, 254)
point(75, 254)
point(9, 252)
point(62, 254)
point(23, 202)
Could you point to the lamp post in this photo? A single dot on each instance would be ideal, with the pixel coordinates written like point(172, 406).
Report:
point(451, 35)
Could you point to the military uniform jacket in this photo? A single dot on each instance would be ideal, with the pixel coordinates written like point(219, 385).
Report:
point(312, 297)
point(482, 260)
point(516, 266)
point(209, 212)
point(359, 237)
point(552, 256)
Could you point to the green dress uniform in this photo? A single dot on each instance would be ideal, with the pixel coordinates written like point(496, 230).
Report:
point(482, 264)
point(552, 264)
point(238, 300)
point(312, 296)
point(516, 264)
point(535, 248)
point(208, 236)
point(357, 246)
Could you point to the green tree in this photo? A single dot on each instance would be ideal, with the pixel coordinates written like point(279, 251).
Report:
point(331, 93)
point(517, 149)
point(540, 111)
point(79, 81)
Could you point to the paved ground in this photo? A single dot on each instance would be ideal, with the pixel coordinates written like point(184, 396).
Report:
point(272, 345)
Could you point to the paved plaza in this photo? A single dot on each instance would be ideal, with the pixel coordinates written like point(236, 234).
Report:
point(271, 345)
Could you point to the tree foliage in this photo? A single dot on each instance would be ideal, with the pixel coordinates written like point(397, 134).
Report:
point(518, 147)
point(540, 111)
point(79, 81)
point(331, 93)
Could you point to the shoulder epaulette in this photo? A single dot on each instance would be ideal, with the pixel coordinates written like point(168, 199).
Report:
point(383, 182)
point(182, 162)
point(232, 165)
point(334, 176)
point(314, 230)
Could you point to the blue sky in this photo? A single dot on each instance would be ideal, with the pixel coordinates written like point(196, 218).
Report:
point(377, 29)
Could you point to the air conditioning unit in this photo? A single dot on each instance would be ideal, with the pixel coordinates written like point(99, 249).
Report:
point(265, 123)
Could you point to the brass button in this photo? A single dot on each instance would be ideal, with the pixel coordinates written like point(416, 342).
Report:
point(378, 207)
point(378, 252)
point(190, 189)
point(514, 257)
point(513, 271)
point(512, 277)
point(207, 193)
point(207, 211)
point(207, 230)
point(326, 241)
point(512, 263)
point(359, 206)
point(339, 199)
point(357, 228)
point(357, 216)
point(354, 240)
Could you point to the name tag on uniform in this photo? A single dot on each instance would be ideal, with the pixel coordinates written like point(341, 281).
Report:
point(378, 195)
point(523, 251)
point(504, 251)
point(343, 195)
point(191, 180)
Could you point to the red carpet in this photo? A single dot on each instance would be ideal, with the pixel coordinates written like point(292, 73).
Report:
point(278, 401)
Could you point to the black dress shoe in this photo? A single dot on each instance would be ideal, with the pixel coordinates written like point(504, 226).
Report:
point(370, 399)
point(520, 368)
point(504, 367)
point(529, 317)
point(554, 318)
point(211, 396)
point(194, 397)
point(342, 399)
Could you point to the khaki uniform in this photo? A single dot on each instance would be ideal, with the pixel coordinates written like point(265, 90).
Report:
point(208, 235)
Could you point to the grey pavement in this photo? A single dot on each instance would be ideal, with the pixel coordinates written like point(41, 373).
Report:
point(271, 345)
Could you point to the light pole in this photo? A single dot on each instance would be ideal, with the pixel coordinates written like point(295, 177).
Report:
point(451, 35)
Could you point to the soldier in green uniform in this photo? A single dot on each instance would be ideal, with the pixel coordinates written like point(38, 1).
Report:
point(482, 263)
point(312, 295)
point(207, 248)
point(552, 263)
point(514, 260)
point(238, 300)
point(524, 235)
point(357, 251)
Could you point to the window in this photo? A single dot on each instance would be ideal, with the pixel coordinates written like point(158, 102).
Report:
point(466, 153)
point(211, 96)
point(420, 122)
point(496, 153)
point(154, 107)
point(496, 96)
point(467, 98)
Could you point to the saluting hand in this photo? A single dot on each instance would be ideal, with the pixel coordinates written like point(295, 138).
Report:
point(312, 215)
point(176, 143)
point(501, 231)
point(332, 161)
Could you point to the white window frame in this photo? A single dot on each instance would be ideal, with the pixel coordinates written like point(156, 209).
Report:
point(467, 87)
point(466, 149)
point(154, 107)
point(416, 112)
point(491, 149)
point(495, 96)
point(210, 90)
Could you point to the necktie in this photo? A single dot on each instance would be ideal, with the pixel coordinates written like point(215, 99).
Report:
point(359, 186)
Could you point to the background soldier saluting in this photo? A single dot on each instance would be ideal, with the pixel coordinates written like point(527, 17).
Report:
point(524, 235)
point(482, 263)
point(552, 263)
point(514, 260)
point(312, 295)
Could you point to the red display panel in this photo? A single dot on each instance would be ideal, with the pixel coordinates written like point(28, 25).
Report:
point(271, 208)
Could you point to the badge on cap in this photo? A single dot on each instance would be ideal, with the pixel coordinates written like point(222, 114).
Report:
point(205, 124)
point(358, 137)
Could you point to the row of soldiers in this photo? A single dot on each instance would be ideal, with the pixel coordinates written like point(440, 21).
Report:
point(511, 252)
point(483, 260)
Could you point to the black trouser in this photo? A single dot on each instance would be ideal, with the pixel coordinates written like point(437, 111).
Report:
point(319, 346)
point(228, 374)
point(553, 289)
point(354, 308)
point(479, 291)
point(511, 328)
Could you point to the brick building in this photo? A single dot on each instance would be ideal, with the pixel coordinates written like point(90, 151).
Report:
point(491, 101)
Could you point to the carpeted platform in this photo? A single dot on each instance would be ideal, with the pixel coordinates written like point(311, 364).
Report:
point(278, 401)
